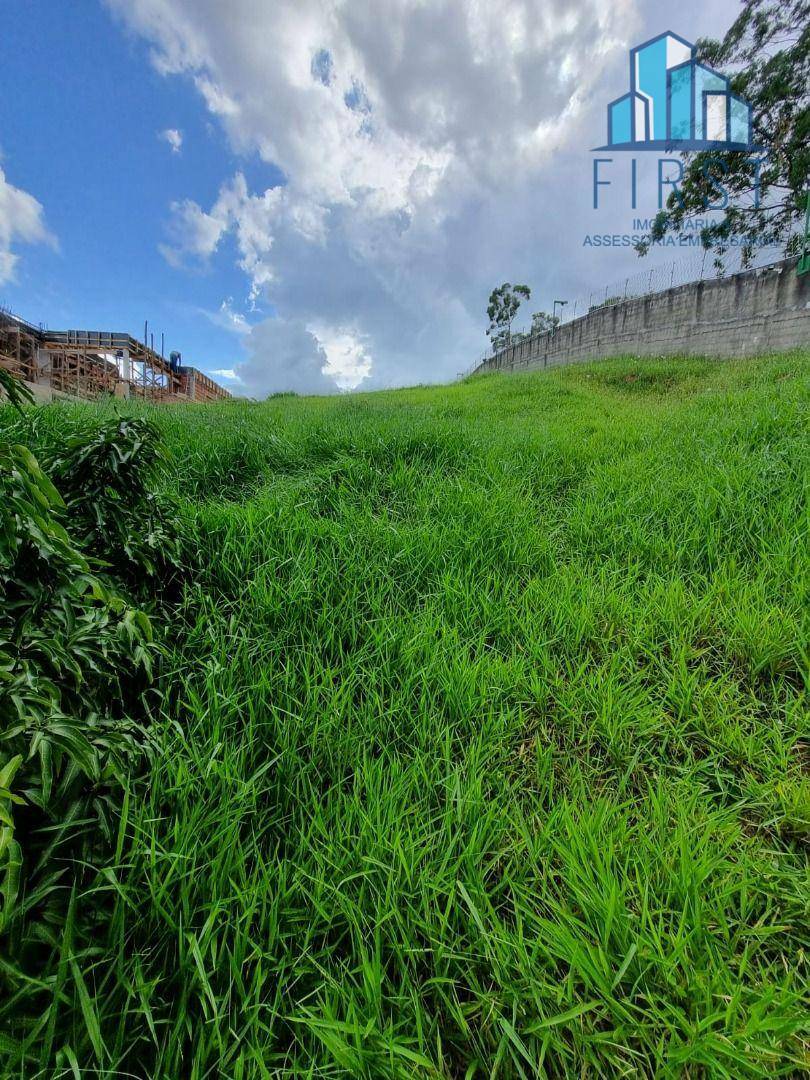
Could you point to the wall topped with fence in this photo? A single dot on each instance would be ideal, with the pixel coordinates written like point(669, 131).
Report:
point(745, 313)
point(697, 266)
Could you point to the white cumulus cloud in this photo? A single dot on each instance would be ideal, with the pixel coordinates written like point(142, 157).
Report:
point(173, 138)
point(348, 361)
point(431, 149)
point(284, 355)
point(228, 319)
point(22, 221)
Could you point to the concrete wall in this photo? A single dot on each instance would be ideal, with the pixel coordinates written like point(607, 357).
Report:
point(753, 312)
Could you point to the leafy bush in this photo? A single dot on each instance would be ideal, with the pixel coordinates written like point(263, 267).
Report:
point(104, 478)
point(75, 659)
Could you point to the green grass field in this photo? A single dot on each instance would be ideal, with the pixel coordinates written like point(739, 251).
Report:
point(483, 750)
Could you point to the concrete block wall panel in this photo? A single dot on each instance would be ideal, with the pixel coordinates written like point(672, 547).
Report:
point(755, 311)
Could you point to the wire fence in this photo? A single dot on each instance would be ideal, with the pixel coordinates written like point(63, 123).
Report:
point(698, 266)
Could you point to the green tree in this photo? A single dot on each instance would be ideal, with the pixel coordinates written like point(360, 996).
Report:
point(542, 322)
point(769, 44)
point(503, 306)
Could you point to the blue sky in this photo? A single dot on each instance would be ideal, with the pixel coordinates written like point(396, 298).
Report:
point(82, 137)
point(350, 179)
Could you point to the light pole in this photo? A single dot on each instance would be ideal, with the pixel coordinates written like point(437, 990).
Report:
point(562, 304)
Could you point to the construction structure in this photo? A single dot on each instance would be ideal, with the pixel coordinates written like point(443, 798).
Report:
point(91, 364)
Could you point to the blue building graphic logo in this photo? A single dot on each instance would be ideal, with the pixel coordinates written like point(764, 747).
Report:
point(676, 103)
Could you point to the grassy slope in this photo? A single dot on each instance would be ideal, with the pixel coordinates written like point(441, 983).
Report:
point(487, 750)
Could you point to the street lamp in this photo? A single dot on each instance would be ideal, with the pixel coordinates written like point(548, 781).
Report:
point(562, 304)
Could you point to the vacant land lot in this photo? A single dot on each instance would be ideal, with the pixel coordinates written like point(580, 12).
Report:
point(482, 749)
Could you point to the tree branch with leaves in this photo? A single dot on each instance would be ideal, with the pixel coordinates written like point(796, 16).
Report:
point(769, 43)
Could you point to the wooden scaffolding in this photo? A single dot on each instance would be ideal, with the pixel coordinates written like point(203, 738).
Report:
point(18, 346)
point(95, 363)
